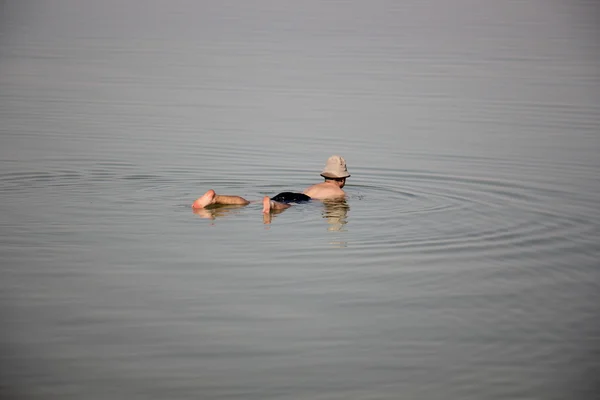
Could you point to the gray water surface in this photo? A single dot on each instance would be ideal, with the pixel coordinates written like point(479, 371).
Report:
point(462, 265)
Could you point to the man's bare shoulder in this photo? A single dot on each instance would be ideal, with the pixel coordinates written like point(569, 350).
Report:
point(322, 191)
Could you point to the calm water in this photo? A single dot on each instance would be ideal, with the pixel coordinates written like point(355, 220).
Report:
point(463, 265)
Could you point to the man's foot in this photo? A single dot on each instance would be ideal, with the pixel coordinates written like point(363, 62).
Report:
point(266, 205)
point(207, 199)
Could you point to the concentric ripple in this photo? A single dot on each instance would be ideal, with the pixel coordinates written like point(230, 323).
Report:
point(458, 214)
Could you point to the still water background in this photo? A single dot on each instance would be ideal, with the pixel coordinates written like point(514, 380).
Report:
point(463, 264)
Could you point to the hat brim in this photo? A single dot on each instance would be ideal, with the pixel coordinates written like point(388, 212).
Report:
point(332, 176)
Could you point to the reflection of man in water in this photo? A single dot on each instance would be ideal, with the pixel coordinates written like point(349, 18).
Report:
point(336, 213)
point(335, 174)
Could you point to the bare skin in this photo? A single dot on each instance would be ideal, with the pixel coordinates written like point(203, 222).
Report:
point(330, 189)
point(268, 216)
point(210, 198)
point(269, 205)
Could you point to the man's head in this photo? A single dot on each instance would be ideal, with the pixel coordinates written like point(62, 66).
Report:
point(336, 170)
point(341, 182)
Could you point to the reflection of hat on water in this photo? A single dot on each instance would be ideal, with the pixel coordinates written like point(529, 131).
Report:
point(335, 168)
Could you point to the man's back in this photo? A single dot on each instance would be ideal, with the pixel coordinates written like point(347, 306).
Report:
point(324, 190)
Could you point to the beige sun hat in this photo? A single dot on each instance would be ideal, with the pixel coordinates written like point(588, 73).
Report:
point(335, 168)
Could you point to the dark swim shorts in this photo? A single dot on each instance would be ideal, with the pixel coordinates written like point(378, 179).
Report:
point(290, 197)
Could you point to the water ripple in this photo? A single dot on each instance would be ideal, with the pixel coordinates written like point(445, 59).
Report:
point(451, 215)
